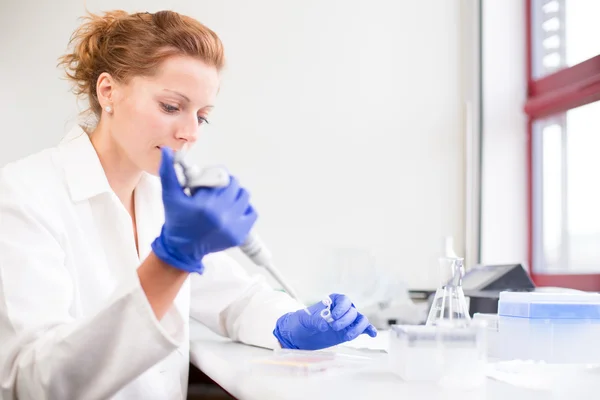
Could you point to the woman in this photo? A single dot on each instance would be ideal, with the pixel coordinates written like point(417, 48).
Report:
point(102, 263)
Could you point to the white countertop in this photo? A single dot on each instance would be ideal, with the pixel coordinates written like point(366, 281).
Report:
point(230, 365)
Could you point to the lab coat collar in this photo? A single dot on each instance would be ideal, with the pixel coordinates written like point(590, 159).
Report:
point(84, 173)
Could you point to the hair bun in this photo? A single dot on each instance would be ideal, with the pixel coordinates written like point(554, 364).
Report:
point(89, 51)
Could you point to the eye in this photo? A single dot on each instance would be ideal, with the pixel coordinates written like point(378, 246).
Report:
point(202, 120)
point(168, 108)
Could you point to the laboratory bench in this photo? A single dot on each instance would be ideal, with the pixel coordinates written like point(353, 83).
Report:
point(229, 364)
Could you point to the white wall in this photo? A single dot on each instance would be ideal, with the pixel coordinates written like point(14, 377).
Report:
point(343, 118)
point(504, 219)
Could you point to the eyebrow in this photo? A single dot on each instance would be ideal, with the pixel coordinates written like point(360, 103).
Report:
point(184, 97)
point(178, 94)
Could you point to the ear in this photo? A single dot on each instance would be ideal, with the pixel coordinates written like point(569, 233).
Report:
point(105, 87)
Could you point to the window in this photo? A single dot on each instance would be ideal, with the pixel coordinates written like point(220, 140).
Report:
point(562, 32)
point(563, 108)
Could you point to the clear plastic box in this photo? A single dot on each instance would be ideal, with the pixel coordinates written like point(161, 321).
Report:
point(491, 321)
point(453, 356)
point(550, 327)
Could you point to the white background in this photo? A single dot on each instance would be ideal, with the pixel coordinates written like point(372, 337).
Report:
point(345, 119)
point(504, 217)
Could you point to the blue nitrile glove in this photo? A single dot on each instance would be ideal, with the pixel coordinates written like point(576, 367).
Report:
point(212, 220)
point(298, 330)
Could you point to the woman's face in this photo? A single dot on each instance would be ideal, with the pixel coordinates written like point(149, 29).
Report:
point(167, 109)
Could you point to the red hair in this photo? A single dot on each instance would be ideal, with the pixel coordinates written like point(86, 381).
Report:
point(127, 45)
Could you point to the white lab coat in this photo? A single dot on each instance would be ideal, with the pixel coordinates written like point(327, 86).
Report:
point(74, 321)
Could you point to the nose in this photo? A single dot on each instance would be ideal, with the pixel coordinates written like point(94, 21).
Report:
point(188, 130)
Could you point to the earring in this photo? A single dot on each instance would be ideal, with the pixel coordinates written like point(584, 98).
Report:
point(108, 109)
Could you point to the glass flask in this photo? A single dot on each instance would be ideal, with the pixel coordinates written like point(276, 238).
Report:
point(449, 305)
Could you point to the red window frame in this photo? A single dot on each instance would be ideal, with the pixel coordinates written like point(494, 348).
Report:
point(558, 92)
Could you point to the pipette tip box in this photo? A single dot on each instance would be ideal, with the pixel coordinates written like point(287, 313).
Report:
point(551, 327)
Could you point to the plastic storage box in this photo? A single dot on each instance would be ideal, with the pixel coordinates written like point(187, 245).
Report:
point(550, 327)
point(446, 355)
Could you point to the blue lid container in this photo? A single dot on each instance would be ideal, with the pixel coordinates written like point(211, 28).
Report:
point(564, 306)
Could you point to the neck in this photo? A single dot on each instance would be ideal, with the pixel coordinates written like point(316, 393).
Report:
point(122, 175)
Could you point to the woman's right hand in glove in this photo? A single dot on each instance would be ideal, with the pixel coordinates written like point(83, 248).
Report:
point(210, 220)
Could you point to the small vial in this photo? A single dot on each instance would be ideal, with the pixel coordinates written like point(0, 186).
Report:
point(326, 312)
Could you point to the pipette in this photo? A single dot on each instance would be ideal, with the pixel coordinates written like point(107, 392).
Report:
point(195, 178)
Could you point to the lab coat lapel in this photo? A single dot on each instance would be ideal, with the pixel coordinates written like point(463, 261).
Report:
point(149, 212)
point(105, 225)
point(87, 183)
point(115, 229)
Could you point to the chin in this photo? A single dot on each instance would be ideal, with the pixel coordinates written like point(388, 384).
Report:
point(153, 169)
point(152, 164)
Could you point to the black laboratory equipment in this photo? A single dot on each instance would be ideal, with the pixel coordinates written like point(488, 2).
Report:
point(482, 284)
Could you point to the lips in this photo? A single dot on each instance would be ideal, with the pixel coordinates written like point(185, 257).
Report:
point(173, 148)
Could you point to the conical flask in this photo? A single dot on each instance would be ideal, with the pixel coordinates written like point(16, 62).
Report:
point(449, 305)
